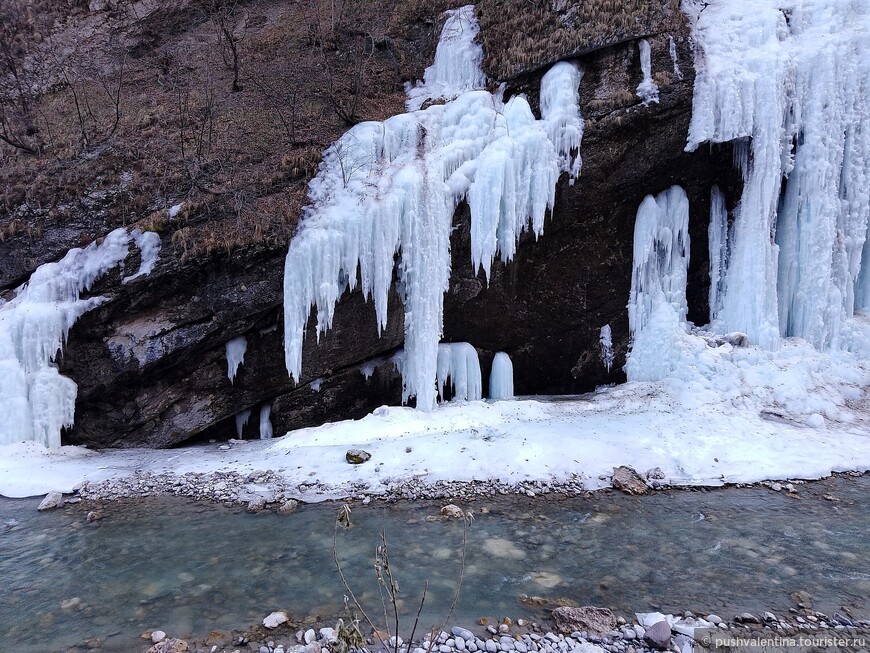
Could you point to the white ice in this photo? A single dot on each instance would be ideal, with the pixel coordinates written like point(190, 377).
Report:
point(794, 76)
point(235, 349)
point(265, 421)
point(390, 188)
point(717, 240)
point(457, 62)
point(148, 243)
point(672, 50)
point(560, 111)
point(657, 302)
point(459, 364)
point(242, 420)
point(36, 402)
point(501, 378)
point(647, 90)
point(605, 341)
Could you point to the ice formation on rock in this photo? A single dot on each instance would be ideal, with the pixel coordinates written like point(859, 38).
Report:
point(236, 349)
point(501, 378)
point(657, 303)
point(647, 90)
point(672, 50)
point(459, 362)
point(718, 246)
point(390, 188)
point(148, 243)
point(316, 383)
point(605, 341)
point(560, 110)
point(457, 62)
point(795, 78)
point(241, 421)
point(265, 421)
point(36, 402)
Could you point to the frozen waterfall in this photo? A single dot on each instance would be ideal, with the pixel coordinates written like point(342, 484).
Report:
point(795, 78)
point(390, 188)
point(36, 402)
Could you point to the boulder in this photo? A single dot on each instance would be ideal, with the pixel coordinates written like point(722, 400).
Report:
point(51, 501)
point(276, 619)
point(357, 456)
point(596, 621)
point(629, 481)
point(658, 635)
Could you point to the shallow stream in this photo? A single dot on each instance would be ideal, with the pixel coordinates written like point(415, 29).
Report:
point(190, 568)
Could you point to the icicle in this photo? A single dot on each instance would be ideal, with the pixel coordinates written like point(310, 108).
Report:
point(647, 90)
point(672, 49)
point(265, 422)
point(390, 188)
point(457, 62)
point(36, 402)
point(560, 110)
point(241, 421)
point(316, 383)
point(657, 303)
point(501, 379)
point(605, 340)
point(236, 349)
point(148, 243)
point(368, 368)
point(718, 243)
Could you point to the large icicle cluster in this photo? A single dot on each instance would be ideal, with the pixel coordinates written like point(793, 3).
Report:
point(794, 77)
point(657, 303)
point(458, 362)
point(36, 402)
point(390, 188)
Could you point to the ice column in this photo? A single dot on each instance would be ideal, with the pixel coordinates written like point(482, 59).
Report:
point(459, 363)
point(718, 244)
point(657, 302)
point(647, 90)
point(501, 379)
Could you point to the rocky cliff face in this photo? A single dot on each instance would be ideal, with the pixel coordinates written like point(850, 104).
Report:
point(150, 362)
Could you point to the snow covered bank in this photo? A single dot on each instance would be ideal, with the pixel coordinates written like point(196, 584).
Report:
point(757, 415)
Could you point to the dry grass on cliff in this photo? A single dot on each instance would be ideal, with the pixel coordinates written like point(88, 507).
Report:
point(523, 35)
point(134, 121)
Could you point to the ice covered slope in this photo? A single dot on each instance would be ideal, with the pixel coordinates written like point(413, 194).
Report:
point(794, 77)
point(36, 402)
point(389, 189)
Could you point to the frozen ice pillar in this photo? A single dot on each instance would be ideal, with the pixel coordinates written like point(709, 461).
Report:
point(501, 379)
point(458, 362)
point(657, 302)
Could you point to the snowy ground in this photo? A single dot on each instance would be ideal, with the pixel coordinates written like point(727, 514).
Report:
point(743, 415)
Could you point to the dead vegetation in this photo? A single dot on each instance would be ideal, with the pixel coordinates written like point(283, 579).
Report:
point(520, 36)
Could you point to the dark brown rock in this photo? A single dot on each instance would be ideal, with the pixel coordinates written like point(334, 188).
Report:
point(629, 481)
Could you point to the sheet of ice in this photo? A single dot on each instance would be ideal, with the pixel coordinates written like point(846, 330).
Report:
point(265, 421)
point(390, 189)
point(148, 243)
point(647, 90)
point(742, 419)
point(36, 402)
point(236, 349)
point(459, 364)
point(718, 250)
point(605, 341)
point(501, 378)
point(316, 383)
point(657, 301)
point(241, 421)
point(795, 77)
point(457, 62)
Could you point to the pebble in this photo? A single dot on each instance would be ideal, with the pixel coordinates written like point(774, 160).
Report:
point(157, 636)
point(491, 646)
point(714, 619)
point(462, 633)
point(309, 636)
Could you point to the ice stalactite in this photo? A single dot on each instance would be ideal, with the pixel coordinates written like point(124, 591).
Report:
point(36, 402)
point(605, 342)
point(236, 349)
point(657, 302)
point(148, 243)
point(265, 421)
point(241, 421)
point(390, 188)
point(457, 62)
point(459, 363)
point(795, 78)
point(718, 244)
point(672, 50)
point(501, 378)
point(647, 90)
